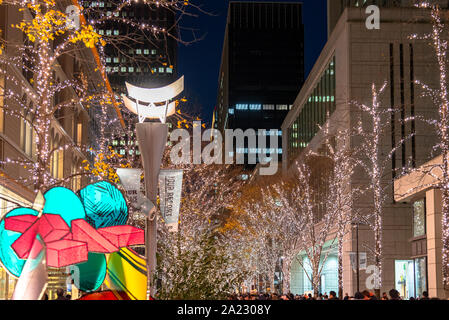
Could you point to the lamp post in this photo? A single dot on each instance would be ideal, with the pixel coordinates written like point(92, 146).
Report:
point(356, 225)
point(152, 138)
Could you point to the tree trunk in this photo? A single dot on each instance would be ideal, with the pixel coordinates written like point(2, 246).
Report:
point(286, 266)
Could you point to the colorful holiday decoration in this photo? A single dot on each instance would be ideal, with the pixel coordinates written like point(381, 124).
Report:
point(69, 231)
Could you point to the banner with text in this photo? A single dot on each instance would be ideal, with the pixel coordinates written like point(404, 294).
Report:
point(170, 188)
point(130, 180)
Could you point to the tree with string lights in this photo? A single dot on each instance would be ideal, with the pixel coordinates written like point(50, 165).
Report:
point(439, 172)
point(52, 35)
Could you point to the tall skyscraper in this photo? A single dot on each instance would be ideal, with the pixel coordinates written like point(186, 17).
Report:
point(262, 66)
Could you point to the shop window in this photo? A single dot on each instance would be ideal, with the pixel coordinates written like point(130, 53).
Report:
point(420, 275)
point(405, 278)
point(419, 218)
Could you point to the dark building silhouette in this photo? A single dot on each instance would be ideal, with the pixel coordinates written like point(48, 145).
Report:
point(144, 59)
point(262, 67)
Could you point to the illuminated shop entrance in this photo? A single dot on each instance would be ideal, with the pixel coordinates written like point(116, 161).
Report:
point(404, 278)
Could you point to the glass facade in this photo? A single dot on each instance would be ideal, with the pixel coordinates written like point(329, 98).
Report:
point(419, 218)
point(319, 106)
point(420, 275)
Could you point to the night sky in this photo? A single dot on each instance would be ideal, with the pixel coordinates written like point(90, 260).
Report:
point(200, 61)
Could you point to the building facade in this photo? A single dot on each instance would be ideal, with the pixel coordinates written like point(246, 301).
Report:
point(420, 189)
point(262, 68)
point(353, 59)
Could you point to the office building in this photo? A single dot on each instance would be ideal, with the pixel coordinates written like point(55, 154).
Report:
point(352, 60)
point(262, 67)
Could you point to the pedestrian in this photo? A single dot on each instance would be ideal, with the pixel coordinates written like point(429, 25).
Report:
point(60, 294)
point(359, 296)
point(394, 294)
point(425, 296)
point(384, 296)
point(346, 296)
point(333, 295)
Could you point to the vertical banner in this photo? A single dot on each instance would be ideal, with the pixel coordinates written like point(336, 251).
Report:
point(170, 188)
point(130, 180)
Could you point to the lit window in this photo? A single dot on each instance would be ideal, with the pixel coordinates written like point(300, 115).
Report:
point(108, 60)
point(146, 51)
point(108, 69)
point(153, 51)
point(255, 107)
point(115, 69)
point(161, 70)
point(138, 51)
point(108, 32)
point(114, 142)
point(419, 218)
point(116, 14)
point(108, 13)
point(241, 106)
point(131, 69)
point(231, 111)
point(122, 152)
point(116, 60)
point(282, 107)
point(268, 106)
point(123, 69)
point(101, 32)
point(138, 69)
point(101, 4)
point(169, 70)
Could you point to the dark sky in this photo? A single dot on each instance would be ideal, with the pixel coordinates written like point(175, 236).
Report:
point(200, 61)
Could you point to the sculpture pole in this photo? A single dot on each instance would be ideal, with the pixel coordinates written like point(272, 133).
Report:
point(152, 138)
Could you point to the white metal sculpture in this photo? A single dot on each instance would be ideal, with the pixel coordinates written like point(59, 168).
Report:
point(146, 99)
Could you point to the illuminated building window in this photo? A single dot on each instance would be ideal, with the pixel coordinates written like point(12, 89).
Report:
point(146, 51)
point(131, 69)
point(115, 69)
point(116, 60)
point(114, 143)
point(138, 51)
point(241, 107)
point(108, 32)
point(123, 69)
point(281, 107)
point(231, 111)
point(169, 70)
point(314, 112)
point(122, 152)
point(101, 32)
point(153, 51)
point(268, 106)
point(255, 107)
point(79, 134)
point(161, 70)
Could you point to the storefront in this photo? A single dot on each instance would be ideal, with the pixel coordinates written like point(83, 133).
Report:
point(8, 201)
point(300, 277)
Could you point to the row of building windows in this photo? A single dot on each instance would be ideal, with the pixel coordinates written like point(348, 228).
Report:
point(138, 70)
point(257, 150)
point(320, 104)
point(257, 107)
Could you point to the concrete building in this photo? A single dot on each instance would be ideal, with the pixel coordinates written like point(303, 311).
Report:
point(352, 60)
point(74, 125)
point(420, 189)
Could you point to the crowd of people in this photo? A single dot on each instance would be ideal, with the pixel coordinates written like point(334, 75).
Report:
point(393, 294)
